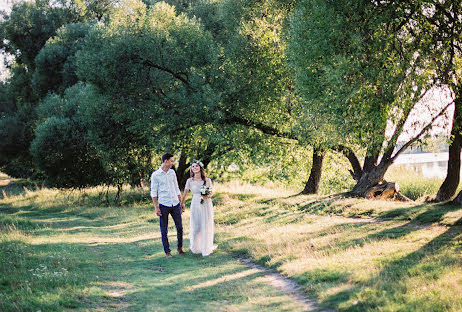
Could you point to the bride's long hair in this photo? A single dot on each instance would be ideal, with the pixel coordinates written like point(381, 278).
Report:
point(201, 166)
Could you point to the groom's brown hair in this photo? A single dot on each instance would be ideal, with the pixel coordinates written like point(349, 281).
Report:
point(166, 156)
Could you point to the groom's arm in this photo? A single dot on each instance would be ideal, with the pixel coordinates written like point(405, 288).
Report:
point(154, 189)
point(156, 206)
point(178, 192)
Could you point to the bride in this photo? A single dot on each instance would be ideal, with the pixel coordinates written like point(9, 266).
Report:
point(201, 214)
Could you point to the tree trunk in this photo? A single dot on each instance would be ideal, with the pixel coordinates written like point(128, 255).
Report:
point(182, 173)
point(312, 186)
point(458, 199)
point(137, 180)
point(207, 157)
point(119, 193)
point(371, 178)
point(450, 184)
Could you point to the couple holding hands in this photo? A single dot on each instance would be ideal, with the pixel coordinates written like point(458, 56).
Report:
point(167, 199)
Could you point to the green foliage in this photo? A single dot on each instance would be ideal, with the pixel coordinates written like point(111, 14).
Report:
point(60, 147)
point(16, 121)
point(7, 105)
point(55, 63)
point(23, 33)
point(39, 20)
point(155, 69)
point(258, 82)
point(355, 73)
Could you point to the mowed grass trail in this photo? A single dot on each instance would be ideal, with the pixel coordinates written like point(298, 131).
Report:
point(69, 251)
point(61, 252)
point(350, 254)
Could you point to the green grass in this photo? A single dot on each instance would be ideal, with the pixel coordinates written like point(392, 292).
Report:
point(352, 254)
point(413, 184)
point(72, 250)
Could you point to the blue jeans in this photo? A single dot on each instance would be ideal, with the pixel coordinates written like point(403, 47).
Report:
point(175, 211)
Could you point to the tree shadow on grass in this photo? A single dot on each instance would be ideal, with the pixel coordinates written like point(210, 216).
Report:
point(433, 213)
point(377, 292)
point(132, 275)
point(15, 187)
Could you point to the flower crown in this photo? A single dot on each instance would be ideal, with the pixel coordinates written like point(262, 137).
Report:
point(197, 162)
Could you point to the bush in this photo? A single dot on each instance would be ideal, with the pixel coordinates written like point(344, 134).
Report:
point(61, 148)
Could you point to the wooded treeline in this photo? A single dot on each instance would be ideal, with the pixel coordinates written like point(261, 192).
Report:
point(99, 89)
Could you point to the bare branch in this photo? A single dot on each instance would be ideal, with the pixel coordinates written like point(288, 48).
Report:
point(399, 127)
point(427, 127)
point(260, 126)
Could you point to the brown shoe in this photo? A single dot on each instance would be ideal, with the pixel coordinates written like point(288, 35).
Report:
point(180, 251)
point(168, 255)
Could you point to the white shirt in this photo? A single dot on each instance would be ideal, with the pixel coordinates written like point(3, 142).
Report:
point(164, 186)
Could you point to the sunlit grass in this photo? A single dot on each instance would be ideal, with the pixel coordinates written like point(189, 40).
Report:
point(413, 184)
point(65, 250)
point(350, 253)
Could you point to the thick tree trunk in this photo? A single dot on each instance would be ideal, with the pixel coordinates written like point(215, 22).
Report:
point(182, 173)
point(369, 163)
point(450, 184)
point(312, 186)
point(371, 178)
point(458, 199)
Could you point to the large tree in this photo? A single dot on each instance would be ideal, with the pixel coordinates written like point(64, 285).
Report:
point(61, 147)
point(23, 33)
point(441, 34)
point(358, 72)
point(157, 69)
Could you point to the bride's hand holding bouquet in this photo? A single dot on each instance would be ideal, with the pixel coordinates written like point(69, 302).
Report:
point(206, 191)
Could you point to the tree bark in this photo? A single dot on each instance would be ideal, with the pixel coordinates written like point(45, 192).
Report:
point(383, 191)
point(119, 193)
point(450, 184)
point(371, 178)
point(312, 186)
point(182, 173)
point(355, 165)
point(458, 199)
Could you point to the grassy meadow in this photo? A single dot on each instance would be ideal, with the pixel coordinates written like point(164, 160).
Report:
point(62, 250)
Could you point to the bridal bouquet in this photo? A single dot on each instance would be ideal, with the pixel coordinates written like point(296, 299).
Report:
point(205, 191)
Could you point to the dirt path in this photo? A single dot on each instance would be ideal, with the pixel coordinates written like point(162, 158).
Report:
point(287, 286)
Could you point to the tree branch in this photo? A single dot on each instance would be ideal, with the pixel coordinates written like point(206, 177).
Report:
point(175, 75)
point(260, 126)
point(421, 132)
point(399, 127)
point(351, 156)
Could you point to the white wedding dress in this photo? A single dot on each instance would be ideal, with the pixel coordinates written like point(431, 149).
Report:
point(201, 225)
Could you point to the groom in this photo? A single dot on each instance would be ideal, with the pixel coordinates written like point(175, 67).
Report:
point(166, 197)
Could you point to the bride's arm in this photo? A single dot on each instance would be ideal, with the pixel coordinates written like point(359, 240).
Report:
point(209, 184)
point(185, 193)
